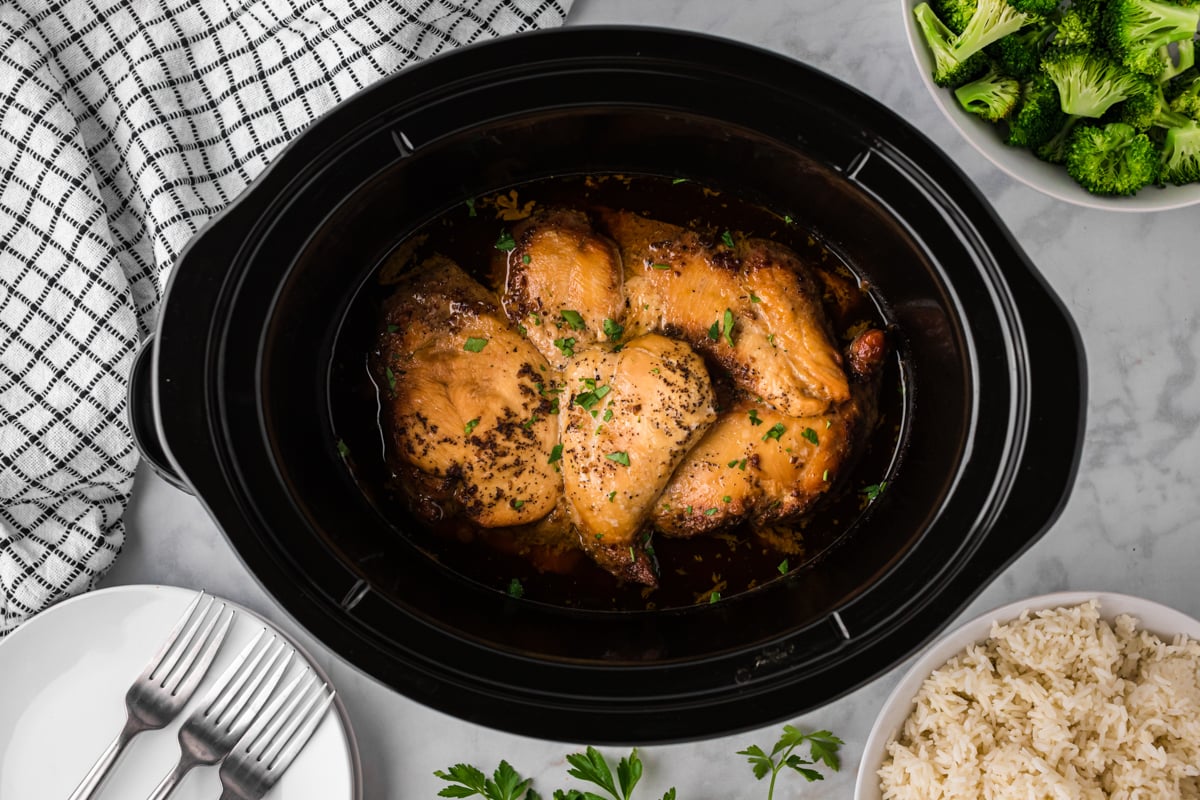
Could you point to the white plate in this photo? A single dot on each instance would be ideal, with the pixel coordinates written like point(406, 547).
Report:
point(1151, 616)
point(63, 677)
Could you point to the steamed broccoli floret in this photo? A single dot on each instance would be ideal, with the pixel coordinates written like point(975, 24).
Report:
point(1020, 54)
point(1185, 96)
point(1134, 30)
point(1183, 60)
point(955, 13)
point(948, 68)
point(1035, 7)
point(991, 22)
point(1088, 82)
point(1055, 149)
point(1181, 154)
point(1112, 159)
point(1039, 115)
point(1076, 29)
point(992, 97)
point(1142, 108)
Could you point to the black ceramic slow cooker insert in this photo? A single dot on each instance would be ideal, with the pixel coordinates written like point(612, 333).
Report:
point(233, 394)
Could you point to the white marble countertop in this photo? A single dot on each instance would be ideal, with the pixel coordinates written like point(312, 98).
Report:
point(1130, 525)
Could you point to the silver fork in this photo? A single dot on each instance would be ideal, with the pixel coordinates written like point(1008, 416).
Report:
point(164, 688)
point(230, 706)
point(270, 746)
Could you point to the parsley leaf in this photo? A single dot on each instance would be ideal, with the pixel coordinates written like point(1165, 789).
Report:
point(566, 345)
point(516, 504)
point(391, 378)
point(474, 345)
point(621, 457)
point(608, 415)
point(661, 266)
point(505, 243)
point(468, 781)
point(611, 496)
point(470, 426)
point(679, 180)
point(754, 420)
point(775, 432)
point(393, 328)
point(574, 319)
point(525, 259)
point(555, 454)
point(823, 747)
point(728, 327)
point(613, 330)
point(714, 332)
point(755, 298)
point(874, 490)
point(713, 597)
point(783, 567)
point(471, 207)
point(592, 768)
point(810, 434)
point(727, 239)
point(515, 589)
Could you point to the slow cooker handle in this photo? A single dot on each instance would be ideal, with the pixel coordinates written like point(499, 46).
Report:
point(142, 416)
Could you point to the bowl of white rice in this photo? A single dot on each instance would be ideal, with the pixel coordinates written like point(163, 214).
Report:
point(1068, 695)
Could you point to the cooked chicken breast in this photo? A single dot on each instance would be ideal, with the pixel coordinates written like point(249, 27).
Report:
point(467, 410)
point(751, 306)
point(562, 283)
point(631, 417)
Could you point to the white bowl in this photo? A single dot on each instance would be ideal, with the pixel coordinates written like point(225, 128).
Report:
point(1151, 616)
point(1051, 179)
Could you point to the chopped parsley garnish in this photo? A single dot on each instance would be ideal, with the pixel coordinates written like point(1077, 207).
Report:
point(517, 504)
point(529, 423)
point(621, 457)
point(771, 339)
point(611, 497)
point(825, 476)
point(727, 239)
point(505, 243)
point(810, 434)
point(689, 509)
point(470, 426)
point(754, 420)
point(874, 490)
point(612, 329)
point(391, 378)
point(714, 332)
point(680, 180)
point(474, 345)
point(574, 319)
point(714, 597)
point(555, 454)
point(343, 450)
point(710, 512)
point(828, 424)
point(393, 328)
point(788, 219)
point(471, 207)
point(608, 415)
point(739, 463)
point(566, 345)
point(733, 463)
point(515, 589)
point(591, 398)
point(537, 320)
point(525, 259)
point(661, 266)
point(726, 499)
point(728, 327)
point(783, 567)
point(775, 432)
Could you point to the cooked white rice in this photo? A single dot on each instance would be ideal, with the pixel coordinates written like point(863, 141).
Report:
point(1059, 704)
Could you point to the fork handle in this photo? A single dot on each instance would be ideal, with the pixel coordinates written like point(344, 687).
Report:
point(99, 771)
point(168, 784)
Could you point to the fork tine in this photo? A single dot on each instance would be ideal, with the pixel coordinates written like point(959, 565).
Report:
point(217, 698)
point(251, 738)
point(258, 696)
point(297, 734)
point(158, 657)
point(199, 656)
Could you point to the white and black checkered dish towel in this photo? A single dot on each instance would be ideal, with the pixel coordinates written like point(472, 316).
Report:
point(124, 126)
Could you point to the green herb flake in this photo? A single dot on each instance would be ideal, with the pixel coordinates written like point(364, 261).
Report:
point(714, 597)
point(608, 415)
point(517, 504)
point(574, 319)
point(515, 589)
point(783, 567)
point(393, 328)
point(521, 329)
point(342, 449)
point(471, 207)
point(613, 330)
point(727, 239)
point(529, 424)
point(660, 266)
point(714, 332)
point(733, 463)
point(470, 426)
point(689, 509)
point(537, 320)
point(771, 339)
point(825, 476)
point(775, 432)
point(601, 391)
point(505, 243)
point(474, 345)
point(555, 454)
point(620, 457)
point(810, 434)
point(525, 259)
point(728, 327)
point(823, 747)
point(679, 180)
point(754, 419)
point(391, 378)
point(755, 298)
point(828, 424)
point(710, 512)
point(726, 499)
point(611, 496)
point(566, 345)
point(787, 218)
point(874, 490)
point(742, 464)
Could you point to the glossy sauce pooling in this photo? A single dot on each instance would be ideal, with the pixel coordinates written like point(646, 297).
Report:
point(692, 570)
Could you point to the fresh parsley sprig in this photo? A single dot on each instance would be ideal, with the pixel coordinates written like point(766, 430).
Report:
point(822, 745)
point(591, 766)
point(468, 781)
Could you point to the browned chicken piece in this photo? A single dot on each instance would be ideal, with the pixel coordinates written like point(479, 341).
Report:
point(629, 418)
point(752, 307)
point(562, 283)
point(465, 410)
point(760, 466)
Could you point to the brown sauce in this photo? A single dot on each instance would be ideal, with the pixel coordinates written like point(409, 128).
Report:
point(691, 570)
